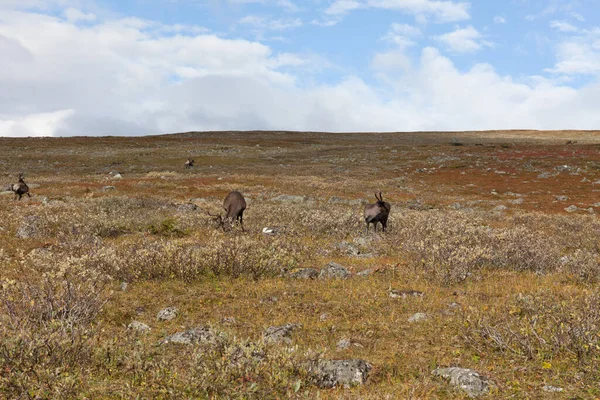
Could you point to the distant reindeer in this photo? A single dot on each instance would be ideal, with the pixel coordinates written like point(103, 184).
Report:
point(234, 205)
point(20, 188)
point(189, 163)
point(377, 212)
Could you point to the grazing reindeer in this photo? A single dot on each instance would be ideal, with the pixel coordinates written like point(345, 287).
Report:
point(234, 205)
point(189, 163)
point(20, 188)
point(377, 212)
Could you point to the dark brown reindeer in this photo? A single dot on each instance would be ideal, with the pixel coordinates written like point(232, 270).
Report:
point(377, 212)
point(20, 188)
point(234, 205)
point(189, 163)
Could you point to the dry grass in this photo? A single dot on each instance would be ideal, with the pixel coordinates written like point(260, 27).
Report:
point(510, 294)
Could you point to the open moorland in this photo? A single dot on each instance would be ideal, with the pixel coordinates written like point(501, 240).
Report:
point(116, 283)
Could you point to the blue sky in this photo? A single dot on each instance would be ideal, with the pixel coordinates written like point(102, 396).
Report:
point(130, 67)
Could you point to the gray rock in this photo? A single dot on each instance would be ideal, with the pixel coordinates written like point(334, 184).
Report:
point(344, 344)
point(546, 175)
point(552, 389)
point(187, 207)
point(403, 294)
point(418, 317)
point(345, 373)
point(323, 317)
point(269, 300)
point(304, 273)
point(500, 208)
point(561, 198)
point(334, 270)
point(286, 198)
point(108, 188)
point(596, 183)
point(138, 327)
point(124, 286)
point(280, 334)
point(167, 314)
point(366, 272)
point(455, 206)
point(572, 208)
point(117, 176)
point(467, 380)
point(228, 321)
point(596, 205)
point(198, 335)
point(517, 201)
point(348, 248)
point(30, 227)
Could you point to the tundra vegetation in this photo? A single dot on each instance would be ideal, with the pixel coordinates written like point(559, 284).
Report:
point(493, 244)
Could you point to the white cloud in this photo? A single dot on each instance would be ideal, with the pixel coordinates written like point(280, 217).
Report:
point(578, 55)
point(498, 19)
point(464, 40)
point(402, 34)
point(563, 26)
point(74, 15)
point(123, 76)
point(442, 11)
point(262, 23)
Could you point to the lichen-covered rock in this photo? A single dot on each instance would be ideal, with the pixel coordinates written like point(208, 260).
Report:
point(198, 335)
point(286, 198)
point(334, 270)
point(467, 380)
point(334, 373)
point(304, 273)
point(167, 314)
point(279, 334)
point(403, 294)
point(138, 327)
point(418, 317)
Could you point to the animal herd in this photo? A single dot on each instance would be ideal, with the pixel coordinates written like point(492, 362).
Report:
point(235, 205)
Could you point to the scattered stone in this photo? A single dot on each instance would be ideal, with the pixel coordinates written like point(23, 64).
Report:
point(198, 335)
point(596, 183)
point(124, 286)
point(334, 270)
point(366, 272)
point(396, 294)
point(269, 231)
point(334, 373)
point(286, 198)
point(140, 310)
point(500, 208)
point(323, 317)
point(117, 176)
point(517, 201)
point(344, 344)
point(279, 334)
point(304, 273)
point(564, 168)
point(187, 207)
point(270, 300)
point(571, 208)
point(108, 188)
point(455, 206)
point(596, 205)
point(139, 327)
point(545, 175)
point(362, 241)
point(348, 248)
point(590, 210)
point(167, 314)
point(561, 198)
point(584, 180)
point(418, 317)
point(467, 380)
point(29, 228)
point(552, 389)
point(228, 321)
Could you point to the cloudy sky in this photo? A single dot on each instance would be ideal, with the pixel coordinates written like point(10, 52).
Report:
point(133, 67)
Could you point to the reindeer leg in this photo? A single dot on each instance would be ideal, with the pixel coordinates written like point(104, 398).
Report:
point(28, 195)
point(242, 222)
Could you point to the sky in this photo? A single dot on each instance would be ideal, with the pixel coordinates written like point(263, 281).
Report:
point(140, 67)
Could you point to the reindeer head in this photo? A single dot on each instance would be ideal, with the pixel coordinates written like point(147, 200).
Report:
point(220, 222)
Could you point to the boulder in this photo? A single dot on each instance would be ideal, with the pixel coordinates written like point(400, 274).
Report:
point(167, 314)
point(345, 373)
point(138, 327)
point(198, 335)
point(334, 270)
point(279, 334)
point(468, 380)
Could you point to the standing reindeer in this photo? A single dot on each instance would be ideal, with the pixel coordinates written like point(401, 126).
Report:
point(234, 205)
point(189, 163)
point(20, 188)
point(377, 212)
